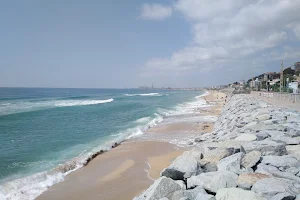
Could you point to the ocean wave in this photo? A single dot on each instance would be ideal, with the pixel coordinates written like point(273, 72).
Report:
point(143, 120)
point(146, 94)
point(30, 187)
point(28, 106)
point(203, 95)
point(82, 102)
point(189, 107)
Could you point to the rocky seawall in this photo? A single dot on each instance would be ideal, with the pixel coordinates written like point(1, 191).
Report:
point(253, 153)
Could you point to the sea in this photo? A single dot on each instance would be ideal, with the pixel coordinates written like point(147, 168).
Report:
point(47, 133)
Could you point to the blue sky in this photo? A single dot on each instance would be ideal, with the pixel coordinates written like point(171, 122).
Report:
point(117, 44)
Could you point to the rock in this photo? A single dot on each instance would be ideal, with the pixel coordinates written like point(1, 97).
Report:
point(216, 154)
point(266, 147)
point(250, 159)
point(213, 181)
point(261, 135)
point(236, 194)
point(264, 117)
point(229, 144)
point(284, 196)
point(208, 167)
point(205, 197)
point(190, 194)
point(293, 170)
point(246, 137)
point(294, 150)
point(271, 170)
point(231, 163)
point(285, 140)
point(251, 124)
point(184, 166)
point(266, 169)
point(162, 187)
point(270, 187)
point(275, 133)
point(165, 198)
point(181, 183)
point(246, 181)
point(286, 161)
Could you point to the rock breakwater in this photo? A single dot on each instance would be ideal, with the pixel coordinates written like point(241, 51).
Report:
point(252, 153)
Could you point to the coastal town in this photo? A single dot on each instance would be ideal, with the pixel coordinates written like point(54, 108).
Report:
point(287, 80)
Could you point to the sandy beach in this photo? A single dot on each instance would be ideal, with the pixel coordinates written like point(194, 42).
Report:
point(127, 170)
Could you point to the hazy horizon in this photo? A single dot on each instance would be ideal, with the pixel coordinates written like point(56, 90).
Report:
point(171, 43)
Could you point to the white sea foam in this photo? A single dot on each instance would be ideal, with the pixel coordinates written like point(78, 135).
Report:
point(148, 171)
point(146, 94)
point(27, 106)
point(30, 187)
point(143, 120)
point(81, 102)
point(203, 95)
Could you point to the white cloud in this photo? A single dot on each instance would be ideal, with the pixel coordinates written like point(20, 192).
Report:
point(155, 12)
point(296, 30)
point(231, 30)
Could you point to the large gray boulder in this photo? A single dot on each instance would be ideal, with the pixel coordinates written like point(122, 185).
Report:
point(284, 196)
point(184, 166)
point(231, 163)
point(246, 137)
point(294, 150)
point(190, 194)
point(266, 147)
point(250, 159)
point(162, 187)
point(230, 144)
point(286, 161)
point(236, 194)
point(205, 197)
point(273, 171)
point(213, 155)
point(213, 181)
point(286, 140)
point(246, 181)
point(261, 135)
point(270, 187)
point(181, 183)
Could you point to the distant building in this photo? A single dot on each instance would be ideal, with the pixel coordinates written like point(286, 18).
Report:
point(274, 81)
point(294, 86)
point(269, 76)
point(297, 66)
point(252, 84)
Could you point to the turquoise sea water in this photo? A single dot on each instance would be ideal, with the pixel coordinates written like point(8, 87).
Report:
point(45, 133)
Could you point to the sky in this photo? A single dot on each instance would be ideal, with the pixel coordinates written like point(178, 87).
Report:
point(124, 44)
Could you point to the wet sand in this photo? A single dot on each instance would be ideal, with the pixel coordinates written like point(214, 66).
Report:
point(118, 174)
point(127, 170)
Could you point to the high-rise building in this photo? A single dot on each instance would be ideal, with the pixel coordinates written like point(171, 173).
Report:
point(297, 66)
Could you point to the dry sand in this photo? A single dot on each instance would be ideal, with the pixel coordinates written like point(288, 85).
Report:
point(127, 170)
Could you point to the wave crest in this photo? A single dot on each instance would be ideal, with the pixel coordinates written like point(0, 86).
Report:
point(146, 94)
point(28, 106)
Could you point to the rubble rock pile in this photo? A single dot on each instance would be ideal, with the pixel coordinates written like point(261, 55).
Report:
point(253, 153)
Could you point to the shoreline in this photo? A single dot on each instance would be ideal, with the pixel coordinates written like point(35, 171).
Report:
point(252, 154)
point(126, 166)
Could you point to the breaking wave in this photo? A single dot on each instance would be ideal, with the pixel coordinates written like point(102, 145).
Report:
point(27, 106)
point(32, 186)
point(146, 94)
